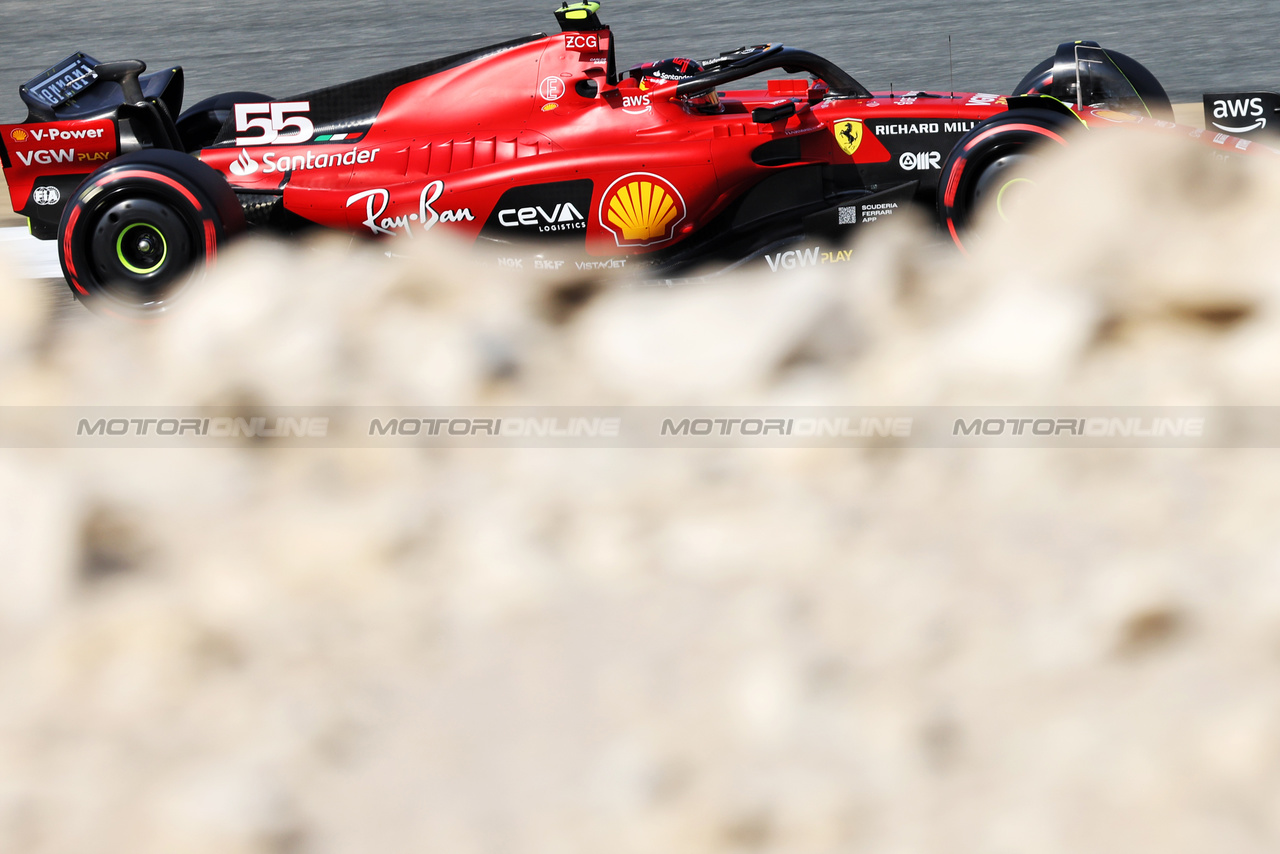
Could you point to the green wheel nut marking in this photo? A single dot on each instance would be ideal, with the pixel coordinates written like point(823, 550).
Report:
point(1003, 190)
point(164, 250)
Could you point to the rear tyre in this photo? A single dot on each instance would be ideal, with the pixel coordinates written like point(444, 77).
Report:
point(142, 229)
point(986, 166)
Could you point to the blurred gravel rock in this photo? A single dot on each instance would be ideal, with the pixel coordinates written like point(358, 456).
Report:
point(655, 650)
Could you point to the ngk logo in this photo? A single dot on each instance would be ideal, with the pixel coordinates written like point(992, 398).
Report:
point(582, 41)
point(920, 161)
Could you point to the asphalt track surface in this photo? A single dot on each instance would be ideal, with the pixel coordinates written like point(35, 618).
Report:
point(284, 48)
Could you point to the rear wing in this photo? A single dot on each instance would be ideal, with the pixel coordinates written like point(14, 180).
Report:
point(82, 113)
point(45, 162)
point(1244, 114)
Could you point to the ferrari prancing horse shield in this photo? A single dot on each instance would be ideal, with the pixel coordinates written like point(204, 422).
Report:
point(849, 134)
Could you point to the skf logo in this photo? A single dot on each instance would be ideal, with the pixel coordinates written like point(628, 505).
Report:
point(1249, 109)
point(641, 209)
point(920, 161)
point(19, 135)
point(848, 134)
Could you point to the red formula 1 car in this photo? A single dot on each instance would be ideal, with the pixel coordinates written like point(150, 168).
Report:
point(537, 142)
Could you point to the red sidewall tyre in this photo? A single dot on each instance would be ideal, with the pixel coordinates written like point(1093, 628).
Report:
point(142, 229)
point(1014, 133)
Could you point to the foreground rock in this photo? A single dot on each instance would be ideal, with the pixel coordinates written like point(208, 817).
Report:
point(678, 651)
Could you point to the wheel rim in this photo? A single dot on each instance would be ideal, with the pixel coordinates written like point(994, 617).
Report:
point(141, 248)
point(998, 180)
point(1004, 190)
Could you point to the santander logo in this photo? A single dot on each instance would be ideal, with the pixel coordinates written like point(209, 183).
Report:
point(244, 165)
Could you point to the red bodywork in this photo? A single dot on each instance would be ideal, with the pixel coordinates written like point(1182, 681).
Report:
point(534, 139)
point(53, 149)
point(445, 148)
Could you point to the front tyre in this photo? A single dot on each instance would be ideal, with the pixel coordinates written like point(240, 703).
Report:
point(985, 167)
point(142, 229)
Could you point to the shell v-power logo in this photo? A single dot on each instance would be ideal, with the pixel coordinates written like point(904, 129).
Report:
point(642, 209)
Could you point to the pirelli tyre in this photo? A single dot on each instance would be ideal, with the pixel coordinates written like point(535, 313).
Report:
point(987, 165)
point(144, 227)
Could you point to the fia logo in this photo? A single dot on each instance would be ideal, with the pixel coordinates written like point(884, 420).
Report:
point(46, 196)
point(1245, 109)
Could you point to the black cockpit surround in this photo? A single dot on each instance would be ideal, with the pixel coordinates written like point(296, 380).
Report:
point(747, 62)
point(354, 105)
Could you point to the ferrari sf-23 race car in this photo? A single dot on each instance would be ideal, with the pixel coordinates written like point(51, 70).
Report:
point(539, 147)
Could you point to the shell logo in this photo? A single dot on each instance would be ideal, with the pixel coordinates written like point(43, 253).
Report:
point(642, 209)
point(19, 135)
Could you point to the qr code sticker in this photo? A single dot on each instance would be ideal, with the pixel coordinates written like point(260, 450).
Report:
point(849, 216)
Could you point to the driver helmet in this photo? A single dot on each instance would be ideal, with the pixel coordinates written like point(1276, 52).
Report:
point(652, 73)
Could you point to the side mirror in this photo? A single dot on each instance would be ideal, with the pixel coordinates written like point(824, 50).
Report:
point(775, 113)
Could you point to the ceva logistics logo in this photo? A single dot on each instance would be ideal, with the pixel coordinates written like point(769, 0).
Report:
point(642, 209)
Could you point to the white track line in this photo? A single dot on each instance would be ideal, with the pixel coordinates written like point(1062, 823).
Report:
point(34, 259)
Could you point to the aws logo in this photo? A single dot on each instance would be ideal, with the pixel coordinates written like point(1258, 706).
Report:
point(642, 209)
point(1238, 111)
